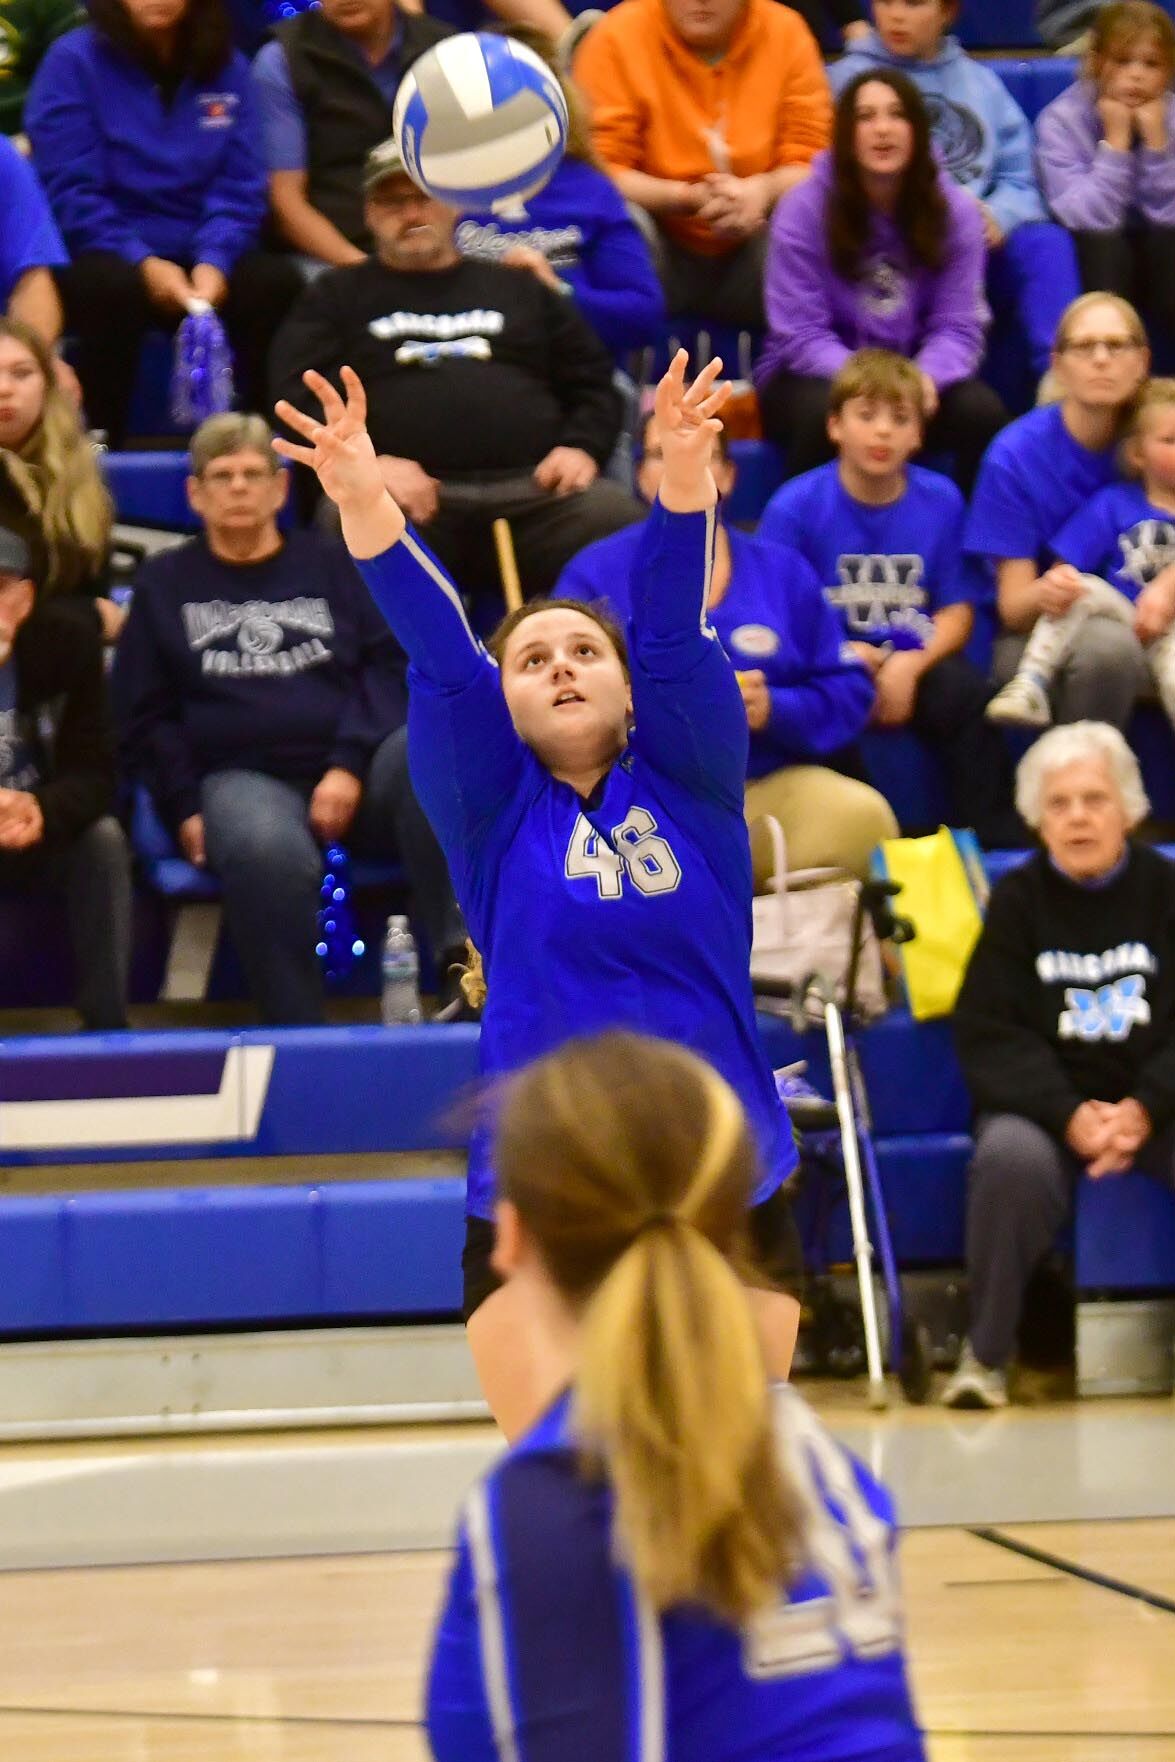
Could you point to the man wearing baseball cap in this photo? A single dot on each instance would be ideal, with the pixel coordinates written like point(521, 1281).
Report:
point(57, 781)
point(488, 394)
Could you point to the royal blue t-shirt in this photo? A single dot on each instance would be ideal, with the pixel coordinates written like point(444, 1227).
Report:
point(1034, 475)
point(1120, 536)
point(628, 909)
point(547, 1652)
point(773, 619)
point(885, 570)
point(29, 238)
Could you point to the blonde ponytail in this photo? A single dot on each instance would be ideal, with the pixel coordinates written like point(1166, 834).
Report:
point(630, 1162)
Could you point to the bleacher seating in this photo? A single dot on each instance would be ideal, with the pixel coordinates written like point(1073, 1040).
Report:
point(328, 1251)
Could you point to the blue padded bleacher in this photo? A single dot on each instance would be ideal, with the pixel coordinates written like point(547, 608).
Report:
point(759, 473)
point(149, 489)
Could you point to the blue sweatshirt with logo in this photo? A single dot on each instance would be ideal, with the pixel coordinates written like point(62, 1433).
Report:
point(580, 224)
point(126, 170)
point(982, 135)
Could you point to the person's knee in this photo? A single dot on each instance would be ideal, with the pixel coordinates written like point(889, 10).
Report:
point(1108, 647)
point(267, 839)
point(103, 846)
point(1015, 1164)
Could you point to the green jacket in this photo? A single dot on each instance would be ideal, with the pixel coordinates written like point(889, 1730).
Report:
point(27, 27)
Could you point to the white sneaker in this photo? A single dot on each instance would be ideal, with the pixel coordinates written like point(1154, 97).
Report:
point(975, 1384)
point(1023, 703)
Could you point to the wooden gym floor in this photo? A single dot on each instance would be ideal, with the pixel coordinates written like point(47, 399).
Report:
point(1038, 1642)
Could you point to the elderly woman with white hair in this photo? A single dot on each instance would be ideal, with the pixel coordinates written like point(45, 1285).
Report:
point(1065, 1027)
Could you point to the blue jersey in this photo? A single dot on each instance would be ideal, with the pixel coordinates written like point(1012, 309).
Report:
point(546, 1652)
point(1033, 476)
point(1120, 536)
point(772, 618)
point(631, 909)
point(885, 570)
point(29, 238)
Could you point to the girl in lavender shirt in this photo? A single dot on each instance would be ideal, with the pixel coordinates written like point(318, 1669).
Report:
point(1107, 162)
point(877, 249)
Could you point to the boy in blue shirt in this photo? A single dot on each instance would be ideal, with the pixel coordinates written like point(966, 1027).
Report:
point(885, 539)
point(984, 140)
point(1119, 550)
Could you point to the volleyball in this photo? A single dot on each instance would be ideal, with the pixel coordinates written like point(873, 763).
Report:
point(480, 121)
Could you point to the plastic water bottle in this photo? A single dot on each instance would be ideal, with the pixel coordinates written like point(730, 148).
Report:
point(401, 976)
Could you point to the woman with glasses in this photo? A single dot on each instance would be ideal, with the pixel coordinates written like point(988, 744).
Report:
point(1034, 477)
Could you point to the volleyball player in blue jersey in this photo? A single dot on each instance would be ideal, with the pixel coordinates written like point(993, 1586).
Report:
point(676, 1562)
point(591, 813)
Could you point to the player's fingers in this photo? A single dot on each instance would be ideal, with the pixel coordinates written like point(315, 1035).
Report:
point(700, 390)
point(299, 455)
point(668, 396)
point(297, 419)
point(333, 408)
point(710, 406)
point(356, 396)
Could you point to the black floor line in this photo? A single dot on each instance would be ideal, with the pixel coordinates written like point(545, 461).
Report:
point(157, 1716)
point(1123, 1587)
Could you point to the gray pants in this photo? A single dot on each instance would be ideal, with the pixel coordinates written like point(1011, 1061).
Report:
point(1019, 1194)
point(1100, 680)
point(728, 289)
point(93, 871)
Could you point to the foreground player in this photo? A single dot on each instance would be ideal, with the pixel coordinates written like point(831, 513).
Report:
point(603, 869)
point(676, 1563)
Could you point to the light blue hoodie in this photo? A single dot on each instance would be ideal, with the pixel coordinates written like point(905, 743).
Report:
point(982, 135)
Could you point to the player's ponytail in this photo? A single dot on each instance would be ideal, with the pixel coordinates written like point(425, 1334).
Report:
point(632, 1168)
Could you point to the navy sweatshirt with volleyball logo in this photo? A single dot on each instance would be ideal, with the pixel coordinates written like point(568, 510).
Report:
point(282, 666)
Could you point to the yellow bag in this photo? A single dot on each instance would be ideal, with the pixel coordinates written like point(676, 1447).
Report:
point(944, 892)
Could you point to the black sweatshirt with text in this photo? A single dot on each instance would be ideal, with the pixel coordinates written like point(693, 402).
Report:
point(471, 369)
point(1070, 994)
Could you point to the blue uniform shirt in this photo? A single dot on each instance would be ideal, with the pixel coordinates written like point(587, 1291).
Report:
point(772, 617)
point(29, 238)
point(885, 570)
point(629, 910)
point(546, 1652)
point(1033, 476)
point(1120, 536)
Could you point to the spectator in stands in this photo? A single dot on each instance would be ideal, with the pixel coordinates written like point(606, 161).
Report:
point(985, 141)
point(1118, 551)
point(884, 539)
point(1062, 23)
point(488, 394)
point(261, 700)
point(577, 236)
point(145, 135)
point(705, 118)
point(1107, 160)
point(1039, 472)
point(807, 700)
point(51, 490)
point(326, 85)
point(30, 247)
point(878, 248)
point(57, 780)
point(29, 27)
point(1065, 1027)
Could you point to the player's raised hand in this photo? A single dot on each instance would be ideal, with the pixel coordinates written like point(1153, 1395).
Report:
point(688, 423)
point(338, 450)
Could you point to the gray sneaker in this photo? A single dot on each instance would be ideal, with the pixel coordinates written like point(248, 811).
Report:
point(975, 1384)
point(1022, 703)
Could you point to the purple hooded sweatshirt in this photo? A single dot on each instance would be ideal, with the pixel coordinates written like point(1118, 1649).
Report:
point(816, 319)
point(1091, 187)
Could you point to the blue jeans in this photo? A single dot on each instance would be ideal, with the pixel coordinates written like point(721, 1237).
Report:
point(1031, 278)
point(269, 863)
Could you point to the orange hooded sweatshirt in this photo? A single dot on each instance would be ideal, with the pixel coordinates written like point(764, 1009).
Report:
point(659, 108)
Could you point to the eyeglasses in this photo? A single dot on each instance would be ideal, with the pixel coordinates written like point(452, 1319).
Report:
point(1086, 347)
point(253, 476)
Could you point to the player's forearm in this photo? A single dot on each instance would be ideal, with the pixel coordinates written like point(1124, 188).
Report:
point(656, 195)
point(420, 603)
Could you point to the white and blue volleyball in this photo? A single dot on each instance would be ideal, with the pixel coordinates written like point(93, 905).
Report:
point(480, 121)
